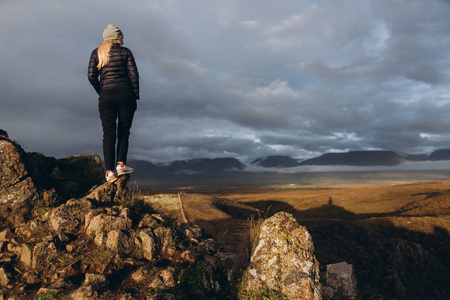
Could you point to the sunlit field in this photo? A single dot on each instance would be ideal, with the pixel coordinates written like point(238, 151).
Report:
point(365, 222)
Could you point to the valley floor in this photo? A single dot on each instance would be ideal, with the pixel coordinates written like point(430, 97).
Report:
point(396, 234)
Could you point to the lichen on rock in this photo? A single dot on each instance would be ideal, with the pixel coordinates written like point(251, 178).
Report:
point(16, 186)
point(284, 260)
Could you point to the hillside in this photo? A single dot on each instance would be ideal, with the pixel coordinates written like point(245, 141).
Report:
point(65, 234)
point(441, 154)
point(64, 231)
point(206, 168)
point(357, 158)
point(276, 162)
point(63, 238)
point(396, 237)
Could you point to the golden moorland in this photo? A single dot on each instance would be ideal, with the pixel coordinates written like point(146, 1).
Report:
point(394, 232)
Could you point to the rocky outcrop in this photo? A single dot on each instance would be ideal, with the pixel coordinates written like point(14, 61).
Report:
point(79, 237)
point(31, 180)
point(340, 280)
point(16, 185)
point(70, 177)
point(17, 189)
point(3, 133)
point(103, 237)
point(284, 260)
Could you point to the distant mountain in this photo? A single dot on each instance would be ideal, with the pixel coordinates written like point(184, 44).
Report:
point(357, 158)
point(206, 165)
point(145, 169)
point(191, 166)
point(276, 161)
point(441, 154)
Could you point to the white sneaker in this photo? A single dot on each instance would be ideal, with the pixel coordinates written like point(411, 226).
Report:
point(122, 170)
point(110, 176)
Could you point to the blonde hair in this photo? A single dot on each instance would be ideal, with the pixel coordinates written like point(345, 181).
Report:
point(103, 52)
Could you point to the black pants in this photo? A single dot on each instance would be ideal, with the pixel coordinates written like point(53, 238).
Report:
point(116, 105)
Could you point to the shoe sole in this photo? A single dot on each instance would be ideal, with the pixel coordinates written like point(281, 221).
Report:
point(124, 173)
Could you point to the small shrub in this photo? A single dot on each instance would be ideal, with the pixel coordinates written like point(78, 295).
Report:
point(50, 295)
point(135, 199)
point(248, 241)
point(140, 206)
point(265, 294)
point(190, 280)
point(99, 256)
point(47, 199)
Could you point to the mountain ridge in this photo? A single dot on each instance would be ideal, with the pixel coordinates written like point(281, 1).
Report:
point(368, 158)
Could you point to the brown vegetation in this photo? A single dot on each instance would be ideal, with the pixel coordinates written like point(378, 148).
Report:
point(396, 236)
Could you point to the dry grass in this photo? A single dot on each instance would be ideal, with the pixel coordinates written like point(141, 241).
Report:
point(418, 199)
point(358, 224)
point(421, 207)
point(248, 240)
point(165, 203)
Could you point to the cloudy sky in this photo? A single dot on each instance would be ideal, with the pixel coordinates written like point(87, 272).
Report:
point(233, 78)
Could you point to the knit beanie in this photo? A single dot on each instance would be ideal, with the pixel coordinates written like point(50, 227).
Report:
point(112, 32)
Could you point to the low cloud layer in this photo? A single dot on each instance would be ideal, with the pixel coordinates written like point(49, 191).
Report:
point(227, 78)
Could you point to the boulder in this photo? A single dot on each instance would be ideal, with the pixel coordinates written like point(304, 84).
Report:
point(85, 292)
point(32, 178)
point(26, 255)
point(204, 279)
point(3, 133)
point(5, 235)
point(5, 277)
point(31, 277)
point(41, 253)
point(164, 280)
point(123, 193)
point(284, 260)
point(194, 233)
point(103, 194)
point(110, 193)
point(70, 177)
point(341, 278)
point(164, 238)
point(148, 222)
point(141, 274)
point(102, 223)
point(16, 186)
point(61, 219)
point(119, 241)
point(168, 277)
point(97, 279)
point(189, 257)
point(145, 241)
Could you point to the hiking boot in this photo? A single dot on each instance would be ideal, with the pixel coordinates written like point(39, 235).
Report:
point(110, 176)
point(122, 169)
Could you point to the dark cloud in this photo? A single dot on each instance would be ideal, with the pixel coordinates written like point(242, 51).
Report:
point(233, 79)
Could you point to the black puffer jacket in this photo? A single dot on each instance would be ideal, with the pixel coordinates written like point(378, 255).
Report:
point(119, 74)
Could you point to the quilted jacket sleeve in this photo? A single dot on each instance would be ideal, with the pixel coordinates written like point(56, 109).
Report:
point(93, 74)
point(133, 73)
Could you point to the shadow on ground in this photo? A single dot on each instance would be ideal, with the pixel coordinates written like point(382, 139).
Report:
point(389, 262)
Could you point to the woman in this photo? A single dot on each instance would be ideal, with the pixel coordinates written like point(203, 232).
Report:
point(114, 76)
